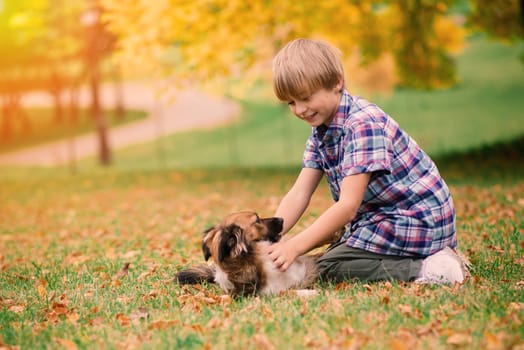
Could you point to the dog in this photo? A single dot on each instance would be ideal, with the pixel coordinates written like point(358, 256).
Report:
point(240, 263)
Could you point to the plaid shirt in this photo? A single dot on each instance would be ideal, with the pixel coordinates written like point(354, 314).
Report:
point(407, 208)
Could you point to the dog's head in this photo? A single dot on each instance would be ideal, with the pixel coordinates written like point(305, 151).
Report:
point(237, 233)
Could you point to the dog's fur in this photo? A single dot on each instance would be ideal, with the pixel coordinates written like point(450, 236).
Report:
point(241, 265)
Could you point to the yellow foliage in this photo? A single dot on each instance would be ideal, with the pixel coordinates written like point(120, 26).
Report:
point(208, 40)
point(449, 34)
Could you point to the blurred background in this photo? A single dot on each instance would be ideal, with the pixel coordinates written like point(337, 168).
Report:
point(183, 84)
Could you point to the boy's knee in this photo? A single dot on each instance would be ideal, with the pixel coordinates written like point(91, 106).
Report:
point(334, 270)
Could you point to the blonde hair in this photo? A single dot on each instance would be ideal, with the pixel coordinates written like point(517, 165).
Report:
point(304, 66)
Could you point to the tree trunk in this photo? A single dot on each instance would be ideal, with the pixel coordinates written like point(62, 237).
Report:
point(119, 94)
point(100, 121)
point(6, 118)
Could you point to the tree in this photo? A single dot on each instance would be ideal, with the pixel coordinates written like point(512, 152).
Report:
point(211, 39)
point(207, 40)
point(502, 19)
point(53, 46)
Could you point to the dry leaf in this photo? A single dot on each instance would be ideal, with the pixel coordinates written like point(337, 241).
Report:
point(143, 275)
point(306, 293)
point(494, 341)
point(66, 343)
point(73, 317)
point(215, 322)
point(263, 342)
point(123, 319)
point(398, 344)
point(123, 272)
point(16, 308)
point(59, 308)
point(141, 313)
point(404, 339)
point(124, 299)
point(41, 285)
point(405, 309)
point(459, 339)
point(162, 324)
point(515, 307)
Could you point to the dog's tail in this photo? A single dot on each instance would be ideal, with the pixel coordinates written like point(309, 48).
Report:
point(196, 274)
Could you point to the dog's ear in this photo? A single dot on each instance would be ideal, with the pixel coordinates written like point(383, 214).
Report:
point(206, 251)
point(232, 242)
point(226, 245)
point(205, 248)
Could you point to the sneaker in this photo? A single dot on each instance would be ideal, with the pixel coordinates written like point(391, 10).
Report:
point(443, 267)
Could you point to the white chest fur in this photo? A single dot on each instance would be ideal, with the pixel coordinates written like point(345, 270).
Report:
point(223, 281)
point(278, 281)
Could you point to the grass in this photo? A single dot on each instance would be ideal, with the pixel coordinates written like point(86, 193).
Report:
point(66, 242)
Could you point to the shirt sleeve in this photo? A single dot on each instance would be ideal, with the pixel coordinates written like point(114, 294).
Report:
point(367, 149)
point(311, 157)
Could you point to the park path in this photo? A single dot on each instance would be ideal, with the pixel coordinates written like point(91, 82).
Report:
point(190, 109)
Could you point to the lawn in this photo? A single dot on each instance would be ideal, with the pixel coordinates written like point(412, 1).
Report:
point(66, 240)
point(485, 107)
point(87, 259)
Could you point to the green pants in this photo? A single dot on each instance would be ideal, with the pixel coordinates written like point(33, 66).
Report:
point(341, 262)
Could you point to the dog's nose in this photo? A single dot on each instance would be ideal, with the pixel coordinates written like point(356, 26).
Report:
point(275, 225)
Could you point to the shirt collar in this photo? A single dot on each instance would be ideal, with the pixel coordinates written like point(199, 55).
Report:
point(334, 131)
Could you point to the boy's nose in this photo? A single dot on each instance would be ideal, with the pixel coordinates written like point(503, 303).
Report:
point(300, 108)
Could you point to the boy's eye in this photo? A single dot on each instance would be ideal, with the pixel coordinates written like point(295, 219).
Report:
point(302, 99)
point(305, 98)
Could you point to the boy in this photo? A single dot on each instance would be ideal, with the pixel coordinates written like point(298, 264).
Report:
point(395, 208)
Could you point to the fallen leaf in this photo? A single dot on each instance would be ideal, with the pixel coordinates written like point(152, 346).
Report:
point(16, 308)
point(405, 309)
point(59, 308)
point(306, 293)
point(124, 299)
point(263, 342)
point(494, 341)
point(143, 275)
point(406, 338)
point(123, 319)
point(131, 254)
point(459, 339)
point(73, 317)
point(41, 287)
point(141, 313)
point(515, 307)
point(66, 343)
point(398, 344)
point(162, 324)
point(123, 272)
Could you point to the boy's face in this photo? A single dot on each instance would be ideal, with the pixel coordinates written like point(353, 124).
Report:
point(318, 108)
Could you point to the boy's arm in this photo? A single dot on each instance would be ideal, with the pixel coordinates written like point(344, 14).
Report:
point(339, 214)
point(297, 199)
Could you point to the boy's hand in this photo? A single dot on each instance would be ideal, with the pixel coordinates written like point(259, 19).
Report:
point(283, 254)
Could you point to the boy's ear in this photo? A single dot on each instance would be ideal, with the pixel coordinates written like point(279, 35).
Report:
point(340, 84)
